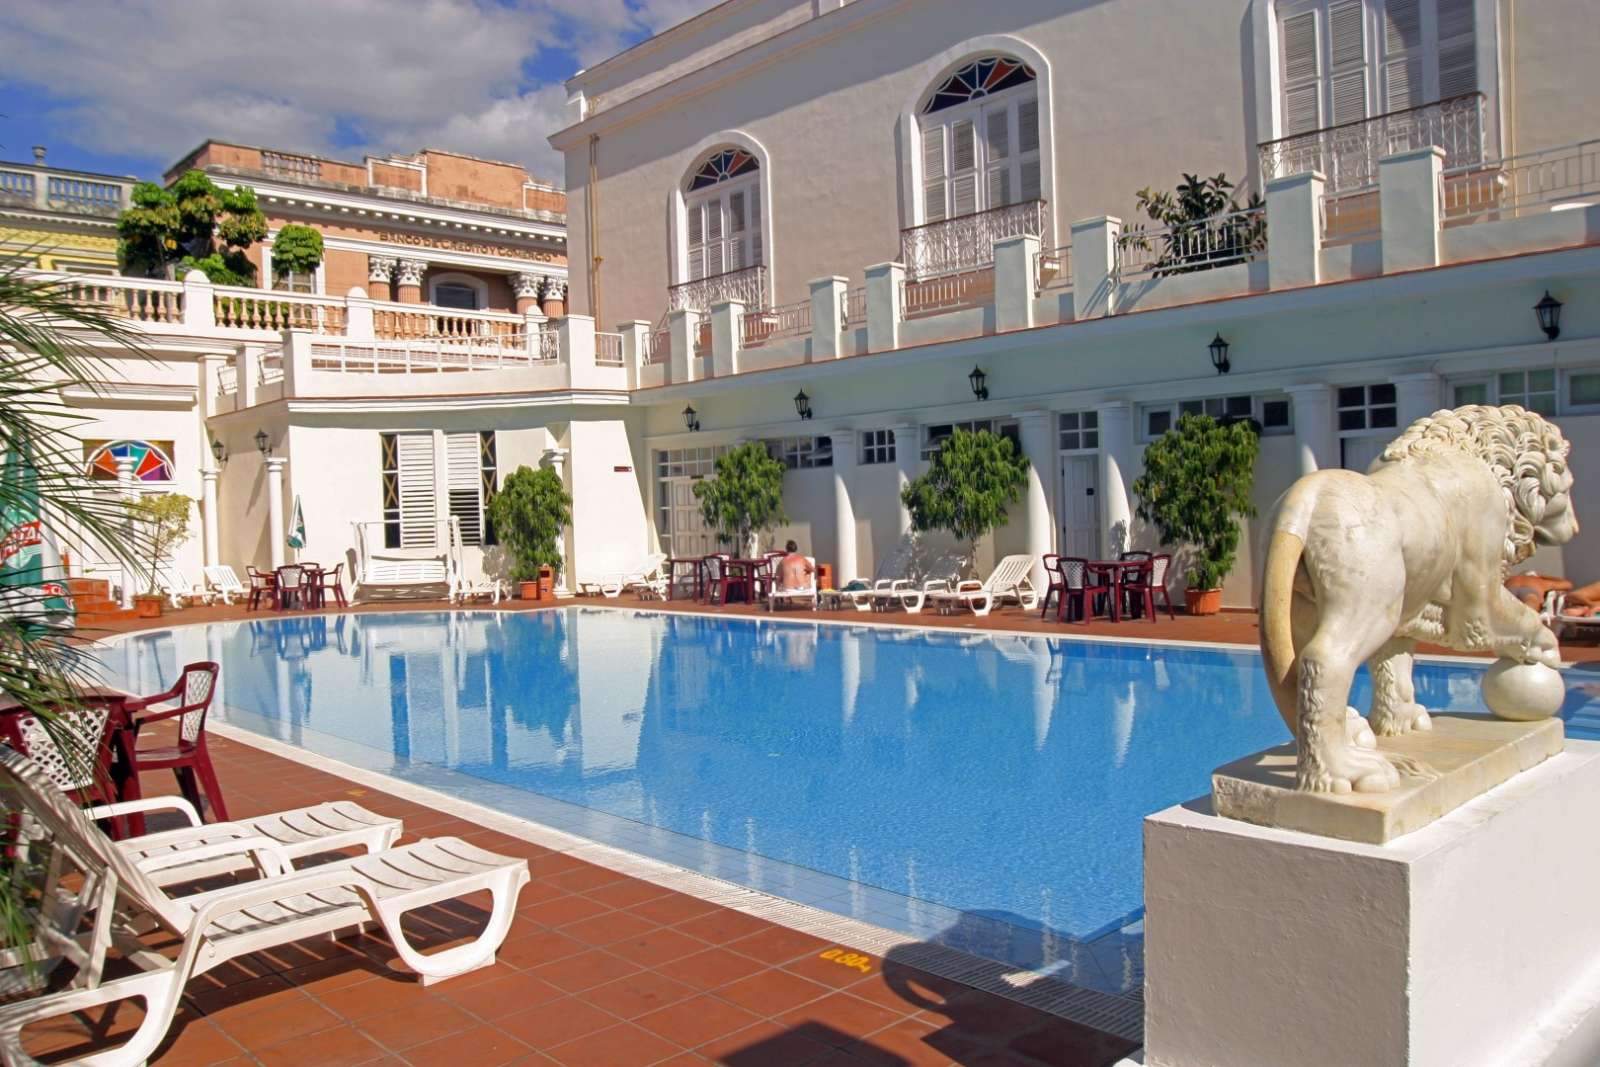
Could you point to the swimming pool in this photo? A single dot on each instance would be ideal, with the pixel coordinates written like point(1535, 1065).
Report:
point(982, 789)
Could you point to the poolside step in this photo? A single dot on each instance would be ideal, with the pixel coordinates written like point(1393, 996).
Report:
point(92, 599)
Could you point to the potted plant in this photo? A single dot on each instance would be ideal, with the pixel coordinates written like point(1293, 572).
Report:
point(1195, 488)
point(745, 495)
point(973, 479)
point(162, 523)
point(529, 512)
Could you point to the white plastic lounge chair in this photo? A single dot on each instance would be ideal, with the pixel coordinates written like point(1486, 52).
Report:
point(865, 599)
point(806, 594)
point(483, 585)
point(216, 926)
point(647, 577)
point(224, 583)
point(1556, 617)
point(179, 588)
point(1009, 579)
point(910, 594)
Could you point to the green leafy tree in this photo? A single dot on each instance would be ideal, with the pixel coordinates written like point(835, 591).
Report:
point(164, 522)
point(296, 248)
point(973, 479)
point(49, 339)
point(1196, 487)
point(1200, 226)
point(192, 225)
point(529, 512)
point(745, 495)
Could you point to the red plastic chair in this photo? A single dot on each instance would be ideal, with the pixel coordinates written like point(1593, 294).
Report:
point(262, 586)
point(329, 583)
point(1141, 588)
point(188, 759)
point(1052, 571)
point(1079, 586)
point(717, 581)
point(85, 781)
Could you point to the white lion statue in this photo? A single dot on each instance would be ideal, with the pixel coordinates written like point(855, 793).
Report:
point(1361, 567)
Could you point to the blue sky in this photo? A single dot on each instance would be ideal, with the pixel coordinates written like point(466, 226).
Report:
point(128, 86)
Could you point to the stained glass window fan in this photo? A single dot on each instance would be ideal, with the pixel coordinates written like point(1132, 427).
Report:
point(151, 462)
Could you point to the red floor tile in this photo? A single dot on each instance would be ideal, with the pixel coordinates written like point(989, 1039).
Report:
point(696, 1021)
point(624, 1045)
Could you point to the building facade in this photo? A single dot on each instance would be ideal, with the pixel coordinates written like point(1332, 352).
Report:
point(923, 216)
point(60, 220)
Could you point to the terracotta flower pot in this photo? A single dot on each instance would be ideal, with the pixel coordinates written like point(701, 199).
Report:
point(528, 590)
point(1203, 601)
point(147, 605)
point(547, 583)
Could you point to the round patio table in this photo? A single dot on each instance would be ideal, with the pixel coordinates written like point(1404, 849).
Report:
point(1113, 571)
point(696, 575)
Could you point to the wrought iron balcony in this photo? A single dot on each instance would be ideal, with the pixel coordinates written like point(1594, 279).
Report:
point(1347, 155)
point(747, 285)
point(967, 242)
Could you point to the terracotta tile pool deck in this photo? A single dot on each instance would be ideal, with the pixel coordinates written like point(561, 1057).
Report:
point(600, 968)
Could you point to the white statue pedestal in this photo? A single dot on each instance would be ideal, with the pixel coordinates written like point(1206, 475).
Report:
point(1474, 940)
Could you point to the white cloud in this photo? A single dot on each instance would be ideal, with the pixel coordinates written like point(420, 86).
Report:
point(153, 78)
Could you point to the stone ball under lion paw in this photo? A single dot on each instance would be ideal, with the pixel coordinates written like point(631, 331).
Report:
point(1523, 692)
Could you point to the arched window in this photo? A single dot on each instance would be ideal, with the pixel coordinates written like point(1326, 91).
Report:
point(723, 206)
point(152, 460)
point(980, 139)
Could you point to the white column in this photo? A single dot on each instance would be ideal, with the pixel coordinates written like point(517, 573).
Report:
point(1316, 443)
point(1116, 470)
point(129, 493)
point(275, 509)
point(556, 460)
point(1035, 433)
point(907, 456)
point(827, 316)
point(208, 513)
point(684, 327)
point(884, 282)
point(1416, 397)
point(1294, 218)
point(844, 512)
point(1094, 266)
point(727, 331)
point(1014, 260)
point(1408, 208)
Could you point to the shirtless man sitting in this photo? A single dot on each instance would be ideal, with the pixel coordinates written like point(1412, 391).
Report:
point(794, 570)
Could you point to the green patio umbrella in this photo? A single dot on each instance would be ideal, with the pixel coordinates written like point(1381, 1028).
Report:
point(297, 526)
point(32, 581)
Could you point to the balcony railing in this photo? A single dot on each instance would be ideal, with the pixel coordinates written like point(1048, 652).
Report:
point(608, 349)
point(948, 292)
point(1220, 241)
point(771, 324)
point(1347, 155)
point(393, 321)
point(1052, 269)
point(16, 188)
point(967, 242)
point(1523, 184)
point(83, 197)
point(853, 306)
point(747, 285)
point(252, 309)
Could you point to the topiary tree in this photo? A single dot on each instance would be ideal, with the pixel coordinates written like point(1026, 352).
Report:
point(529, 512)
point(163, 524)
point(296, 248)
point(745, 495)
point(193, 225)
point(1201, 224)
point(1196, 487)
point(974, 478)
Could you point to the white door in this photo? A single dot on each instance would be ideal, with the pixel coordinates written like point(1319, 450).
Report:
point(689, 534)
point(1080, 506)
point(1357, 453)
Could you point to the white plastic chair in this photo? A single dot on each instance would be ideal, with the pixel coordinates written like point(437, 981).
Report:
point(481, 586)
point(224, 582)
point(646, 576)
point(1009, 579)
point(806, 594)
point(216, 926)
point(179, 588)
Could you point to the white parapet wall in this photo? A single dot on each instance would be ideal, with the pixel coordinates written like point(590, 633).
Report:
point(1473, 941)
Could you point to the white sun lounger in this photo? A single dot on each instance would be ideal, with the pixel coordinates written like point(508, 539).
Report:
point(216, 926)
point(806, 594)
point(178, 588)
point(224, 582)
point(1009, 579)
point(646, 577)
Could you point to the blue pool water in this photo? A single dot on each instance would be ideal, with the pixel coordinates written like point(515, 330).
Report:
point(985, 789)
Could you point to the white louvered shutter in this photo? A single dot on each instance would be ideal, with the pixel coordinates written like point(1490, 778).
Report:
point(714, 247)
point(935, 184)
point(697, 242)
point(1347, 62)
point(1028, 149)
point(963, 168)
point(418, 517)
point(1458, 49)
point(755, 226)
point(736, 231)
point(1402, 54)
point(464, 484)
point(1302, 70)
point(997, 146)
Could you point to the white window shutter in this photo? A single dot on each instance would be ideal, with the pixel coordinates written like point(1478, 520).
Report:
point(997, 129)
point(736, 230)
point(1027, 127)
point(464, 484)
point(755, 225)
point(1347, 44)
point(1403, 83)
point(964, 194)
point(417, 509)
point(697, 241)
point(1349, 97)
point(1302, 69)
point(714, 257)
point(935, 195)
point(1031, 186)
point(999, 191)
point(1402, 26)
point(1301, 110)
point(963, 147)
point(1458, 49)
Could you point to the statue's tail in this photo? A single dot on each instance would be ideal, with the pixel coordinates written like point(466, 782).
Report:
point(1277, 627)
